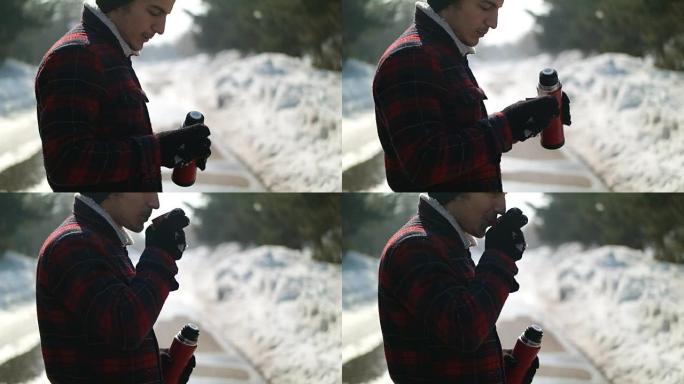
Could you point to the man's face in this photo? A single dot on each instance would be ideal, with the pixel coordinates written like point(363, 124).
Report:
point(131, 210)
point(472, 19)
point(140, 20)
point(475, 212)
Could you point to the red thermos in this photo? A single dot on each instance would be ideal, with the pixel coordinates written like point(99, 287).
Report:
point(185, 174)
point(182, 349)
point(552, 137)
point(525, 350)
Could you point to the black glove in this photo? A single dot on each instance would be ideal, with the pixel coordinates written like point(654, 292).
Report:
point(184, 145)
point(166, 232)
point(166, 363)
point(528, 118)
point(565, 115)
point(510, 362)
point(506, 235)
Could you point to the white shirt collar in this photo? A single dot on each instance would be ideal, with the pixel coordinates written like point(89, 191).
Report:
point(120, 231)
point(425, 7)
point(92, 6)
point(467, 239)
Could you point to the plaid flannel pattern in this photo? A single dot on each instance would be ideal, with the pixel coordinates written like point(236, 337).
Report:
point(431, 119)
point(95, 310)
point(93, 117)
point(437, 309)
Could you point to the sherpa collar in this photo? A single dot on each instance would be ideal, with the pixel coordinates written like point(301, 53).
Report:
point(426, 9)
point(92, 7)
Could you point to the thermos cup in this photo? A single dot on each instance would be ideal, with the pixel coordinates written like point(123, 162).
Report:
point(552, 137)
point(525, 350)
point(182, 349)
point(186, 174)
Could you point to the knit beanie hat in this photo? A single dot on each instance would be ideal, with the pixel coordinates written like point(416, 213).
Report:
point(110, 5)
point(97, 197)
point(439, 5)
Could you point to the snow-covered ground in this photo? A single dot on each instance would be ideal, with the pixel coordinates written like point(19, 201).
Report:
point(277, 305)
point(626, 121)
point(620, 307)
point(278, 114)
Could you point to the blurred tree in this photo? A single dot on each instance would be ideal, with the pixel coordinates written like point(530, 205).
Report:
point(369, 219)
point(17, 17)
point(291, 220)
point(29, 218)
point(635, 27)
point(293, 27)
point(370, 26)
point(634, 220)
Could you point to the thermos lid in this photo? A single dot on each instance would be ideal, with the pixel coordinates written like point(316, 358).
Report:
point(190, 332)
point(193, 118)
point(534, 333)
point(548, 77)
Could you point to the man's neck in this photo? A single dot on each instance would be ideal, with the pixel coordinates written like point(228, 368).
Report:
point(467, 239)
point(120, 231)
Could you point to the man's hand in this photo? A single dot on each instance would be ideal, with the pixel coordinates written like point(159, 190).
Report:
point(166, 363)
point(506, 235)
point(528, 118)
point(510, 362)
point(184, 145)
point(166, 232)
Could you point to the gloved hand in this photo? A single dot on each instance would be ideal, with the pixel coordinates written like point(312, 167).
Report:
point(166, 232)
point(528, 118)
point(565, 116)
point(166, 363)
point(510, 362)
point(184, 145)
point(506, 235)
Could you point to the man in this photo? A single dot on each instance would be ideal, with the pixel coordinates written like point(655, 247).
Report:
point(437, 308)
point(95, 310)
point(431, 119)
point(92, 111)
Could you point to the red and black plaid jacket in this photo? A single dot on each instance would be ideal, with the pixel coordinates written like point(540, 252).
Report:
point(95, 310)
point(431, 119)
point(93, 117)
point(437, 309)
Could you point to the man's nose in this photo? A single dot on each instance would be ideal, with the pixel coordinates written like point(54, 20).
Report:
point(160, 26)
point(153, 200)
point(493, 20)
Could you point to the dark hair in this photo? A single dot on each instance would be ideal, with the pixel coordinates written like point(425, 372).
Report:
point(107, 6)
point(439, 5)
point(97, 197)
point(444, 197)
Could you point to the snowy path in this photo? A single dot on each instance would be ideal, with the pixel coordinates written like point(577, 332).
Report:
point(527, 167)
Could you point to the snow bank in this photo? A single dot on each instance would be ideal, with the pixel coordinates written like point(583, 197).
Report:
point(359, 280)
point(621, 307)
point(16, 87)
point(17, 279)
point(626, 123)
point(280, 307)
point(277, 113)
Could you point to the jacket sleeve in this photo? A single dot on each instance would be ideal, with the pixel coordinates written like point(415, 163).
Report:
point(120, 313)
point(69, 93)
point(455, 310)
point(406, 92)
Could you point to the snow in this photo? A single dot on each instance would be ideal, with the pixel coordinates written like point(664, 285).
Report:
point(277, 305)
point(277, 113)
point(619, 305)
point(17, 306)
point(626, 121)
